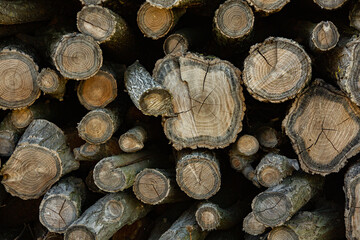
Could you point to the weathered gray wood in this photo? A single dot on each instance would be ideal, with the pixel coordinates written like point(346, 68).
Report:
point(330, 4)
point(253, 226)
point(268, 7)
point(106, 217)
point(176, 3)
point(92, 152)
point(133, 140)
point(39, 160)
point(61, 205)
point(351, 189)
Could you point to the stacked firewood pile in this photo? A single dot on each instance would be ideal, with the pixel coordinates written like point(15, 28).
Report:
point(179, 119)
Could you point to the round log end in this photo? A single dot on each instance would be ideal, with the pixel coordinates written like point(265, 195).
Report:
point(48, 80)
point(108, 178)
point(269, 176)
point(79, 232)
point(175, 44)
point(21, 118)
point(77, 56)
point(163, 3)
point(156, 102)
point(330, 4)
point(267, 137)
point(247, 145)
point(325, 36)
point(208, 217)
point(282, 233)
point(267, 6)
point(252, 226)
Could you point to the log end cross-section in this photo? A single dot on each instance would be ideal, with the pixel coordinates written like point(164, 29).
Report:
point(324, 36)
point(207, 99)
point(324, 127)
point(268, 7)
point(276, 70)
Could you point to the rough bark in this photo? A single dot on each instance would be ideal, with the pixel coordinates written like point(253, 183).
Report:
point(98, 125)
point(176, 3)
point(354, 16)
point(92, 152)
point(9, 136)
point(39, 160)
point(150, 97)
point(198, 173)
point(52, 83)
point(207, 99)
point(276, 70)
point(106, 217)
point(253, 226)
point(276, 205)
point(268, 7)
point(18, 73)
point(185, 228)
point(156, 22)
point(233, 22)
point(324, 224)
point(157, 186)
point(61, 205)
point(133, 140)
point(273, 168)
point(117, 173)
point(92, 2)
point(323, 140)
point(268, 137)
point(330, 4)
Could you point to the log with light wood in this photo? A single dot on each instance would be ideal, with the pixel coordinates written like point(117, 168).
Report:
point(92, 2)
point(117, 173)
point(233, 22)
point(354, 16)
point(185, 228)
point(61, 205)
point(98, 125)
point(277, 204)
point(106, 217)
point(157, 186)
point(207, 99)
point(276, 70)
point(198, 173)
point(149, 96)
point(273, 168)
point(323, 140)
point(324, 36)
point(133, 140)
point(176, 3)
point(52, 83)
point(92, 152)
point(268, 137)
point(39, 160)
point(268, 7)
point(156, 22)
point(321, 224)
point(330, 4)
point(253, 226)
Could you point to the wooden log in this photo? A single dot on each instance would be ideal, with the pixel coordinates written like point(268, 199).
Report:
point(268, 7)
point(207, 99)
point(185, 228)
point(211, 216)
point(198, 173)
point(106, 27)
point(23, 117)
point(157, 186)
point(329, 4)
point(17, 12)
point(61, 205)
point(52, 83)
point(148, 95)
point(156, 22)
point(233, 22)
point(320, 140)
point(269, 70)
point(18, 73)
point(92, 152)
point(276, 205)
point(253, 226)
point(9, 136)
point(106, 217)
point(324, 36)
point(39, 160)
point(98, 125)
point(92, 2)
point(133, 140)
point(324, 224)
point(176, 3)
point(273, 168)
point(182, 40)
point(268, 137)
point(116, 173)
point(247, 145)
point(351, 189)
point(354, 16)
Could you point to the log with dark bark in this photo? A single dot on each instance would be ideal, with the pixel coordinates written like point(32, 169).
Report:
point(276, 70)
point(273, 168)
point(147, 95)
point(268, 137)
point(52, 83)
point(268, 7)
point(207, 99)
point(92, 152)
point(277, 204)
point(176, 3)
point(330, 4)
point(61, 205)
point(18, 74)
point(9, 136)
point(253, 226)
point(323, 140)
point(106, 217)
point(157, 186)
point(354, 16)
point(92, 2)
point(39, 160)
point(233, 22)
point(156, 22)
point(133, 140)
point(98, 125)
point(198, 173)
point(117, 173)
point(322, 224)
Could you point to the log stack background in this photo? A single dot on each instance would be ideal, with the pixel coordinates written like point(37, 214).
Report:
point(179, 119)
